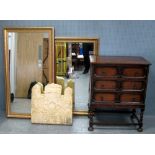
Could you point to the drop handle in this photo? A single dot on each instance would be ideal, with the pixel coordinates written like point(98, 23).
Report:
point(136, 74)
point(103, 72)
point(102, 86)
point(134, 86)
point(102, 98)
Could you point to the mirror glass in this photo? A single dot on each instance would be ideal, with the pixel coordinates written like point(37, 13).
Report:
point(28, 64)
point(73, 62)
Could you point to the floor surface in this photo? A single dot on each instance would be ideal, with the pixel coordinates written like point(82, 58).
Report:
point(80, 126)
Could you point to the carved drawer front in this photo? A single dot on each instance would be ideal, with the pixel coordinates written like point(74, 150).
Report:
point(133, 72)
point(104, 97)
point(130, 98)
point(105, 85)
point(106, 71)
point(132, 85)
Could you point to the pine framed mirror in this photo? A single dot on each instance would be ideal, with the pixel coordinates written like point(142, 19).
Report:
point(73, 56)
point(28, 57)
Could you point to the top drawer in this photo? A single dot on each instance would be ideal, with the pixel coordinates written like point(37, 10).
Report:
point(105, 71)
point(134, 72)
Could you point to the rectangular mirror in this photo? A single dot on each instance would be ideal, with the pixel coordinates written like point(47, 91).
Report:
point(29, 58)
point(73, 62)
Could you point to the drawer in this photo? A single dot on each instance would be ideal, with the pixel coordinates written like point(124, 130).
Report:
point(132, 85)
point(133, 72)
point(105, 71)
point(108, 97)
point(105, 84)
point(131, 98)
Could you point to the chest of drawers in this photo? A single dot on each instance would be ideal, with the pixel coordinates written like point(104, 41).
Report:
point(118, 83)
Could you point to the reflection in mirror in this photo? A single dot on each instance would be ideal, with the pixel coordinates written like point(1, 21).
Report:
point(28, 64)
point(73, 62)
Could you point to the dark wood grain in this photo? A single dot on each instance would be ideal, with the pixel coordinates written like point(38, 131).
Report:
point(118, 82)
point(119, 60)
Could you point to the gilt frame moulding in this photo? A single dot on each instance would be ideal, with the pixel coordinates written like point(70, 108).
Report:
point(81, 40)
point(50, 31)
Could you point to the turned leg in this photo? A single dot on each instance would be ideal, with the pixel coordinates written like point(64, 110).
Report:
point(140, 128)
point(89, 111)
point(90, 128)
point(133, 114)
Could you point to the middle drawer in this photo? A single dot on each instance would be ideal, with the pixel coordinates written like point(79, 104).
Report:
point(105, 84)
point(132, 85)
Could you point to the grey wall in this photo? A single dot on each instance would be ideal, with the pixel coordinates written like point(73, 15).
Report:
point(135, 38)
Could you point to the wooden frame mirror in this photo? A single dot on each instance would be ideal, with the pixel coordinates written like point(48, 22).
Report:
point(66, 44)
point(27, 58)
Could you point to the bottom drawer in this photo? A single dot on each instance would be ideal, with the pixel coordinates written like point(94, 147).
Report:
point(107, 97)
point(131, 98)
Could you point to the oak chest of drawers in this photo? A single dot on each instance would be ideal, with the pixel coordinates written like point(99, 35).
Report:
point(118, 83)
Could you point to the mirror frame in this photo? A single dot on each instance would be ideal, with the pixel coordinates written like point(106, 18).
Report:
point(81, 40)
point(50, 31)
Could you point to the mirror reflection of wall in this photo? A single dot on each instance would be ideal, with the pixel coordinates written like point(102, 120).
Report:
point(73, 61)
point(28, 64)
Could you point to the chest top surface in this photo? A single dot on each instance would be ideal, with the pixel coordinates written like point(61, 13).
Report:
point(128, 60)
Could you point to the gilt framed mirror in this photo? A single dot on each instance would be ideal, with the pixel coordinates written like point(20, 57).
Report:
point(29, 57)
point(73, 61)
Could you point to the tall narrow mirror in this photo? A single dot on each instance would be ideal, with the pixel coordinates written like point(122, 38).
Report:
point(29, 58)
point(73, 62)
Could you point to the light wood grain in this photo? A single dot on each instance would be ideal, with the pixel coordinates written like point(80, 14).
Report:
point(27, 69)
